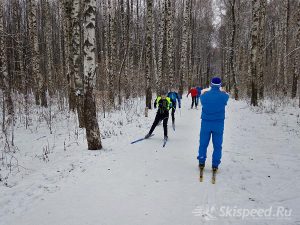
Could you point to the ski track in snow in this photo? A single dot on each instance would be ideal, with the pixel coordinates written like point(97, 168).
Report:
point(145, 183)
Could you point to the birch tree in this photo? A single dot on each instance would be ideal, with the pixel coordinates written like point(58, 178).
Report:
point(8, 104)
point(261, 54)
point(76, 41)
point(40, 81)
point(232, 49)
point(149, 53)
point(68, 56)
point(170, 43)
point(49, 49)
point(91, 123)
point(254, 51)
point(285, 45)
point(159, 80)
point(184, 46)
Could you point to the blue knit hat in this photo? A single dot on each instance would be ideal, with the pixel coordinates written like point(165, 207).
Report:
point(216, 81)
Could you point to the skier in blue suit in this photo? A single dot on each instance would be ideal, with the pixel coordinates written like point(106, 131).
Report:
point(213, 102)
point(174, 96)
point(199, 89)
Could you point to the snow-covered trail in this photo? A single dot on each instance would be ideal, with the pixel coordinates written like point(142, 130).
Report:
point(147, 184)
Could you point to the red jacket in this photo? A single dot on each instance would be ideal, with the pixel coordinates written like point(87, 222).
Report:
point(193, 92)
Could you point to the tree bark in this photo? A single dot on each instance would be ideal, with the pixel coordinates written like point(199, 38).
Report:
point(184, 47)
point(254, 52)
point(149, 53)
point(91, 123)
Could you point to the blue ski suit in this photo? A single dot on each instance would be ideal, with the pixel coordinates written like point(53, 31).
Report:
point(174, 96)
point(199, 89)
point(212, 124)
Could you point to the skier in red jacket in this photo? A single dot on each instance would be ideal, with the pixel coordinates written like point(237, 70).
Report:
point(194, 94)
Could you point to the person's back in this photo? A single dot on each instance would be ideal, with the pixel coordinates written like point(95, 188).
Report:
point(199, 89)
point(193, 91)
point(213, 104)
point(163, 104)
point(174, 97)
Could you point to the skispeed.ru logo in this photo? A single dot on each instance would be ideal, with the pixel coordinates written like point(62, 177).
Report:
point(213, 213)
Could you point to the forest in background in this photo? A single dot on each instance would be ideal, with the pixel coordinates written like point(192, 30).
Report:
point(89, 55)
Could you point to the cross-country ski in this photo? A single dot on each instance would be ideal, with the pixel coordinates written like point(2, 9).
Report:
point(142, 139)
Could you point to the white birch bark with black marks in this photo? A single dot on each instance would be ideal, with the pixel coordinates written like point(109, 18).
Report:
point(170, 43)
point(76, 41)
point(159, 79)
point(184, 46)
point(89, 46)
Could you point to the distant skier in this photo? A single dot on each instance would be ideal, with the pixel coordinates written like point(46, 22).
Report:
point(194, 93)
point(174, 96)
point(199, 89)
point(163, 103)
point(213, 102)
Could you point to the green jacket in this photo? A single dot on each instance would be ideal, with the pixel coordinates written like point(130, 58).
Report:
point(158, 101)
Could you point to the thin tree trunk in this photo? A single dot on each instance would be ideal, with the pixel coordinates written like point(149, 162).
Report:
point(262, 51)
point(91, 123)
point(149, 54)
point(8, 112)
point(254, 51)
point(285, 46)
point(184, 46)
point(76, 53)
point(170, 43)
point(232, 51)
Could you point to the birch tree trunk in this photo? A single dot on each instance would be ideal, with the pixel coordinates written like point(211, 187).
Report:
point(8, 112)
point(49, 49)
point(159, 80)
point(149, 53)
point(170, 43)
point(112, 51)
point(154, 53)
point(254, 51)
point(68, 57)
point(76, 38)
point(184, 46)
point(261, 55)
point(40, 81)
point(91, 123)
point(233, 50)
point(285, 46)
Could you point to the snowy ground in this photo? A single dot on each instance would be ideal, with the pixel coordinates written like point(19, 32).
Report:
point(62, 183)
